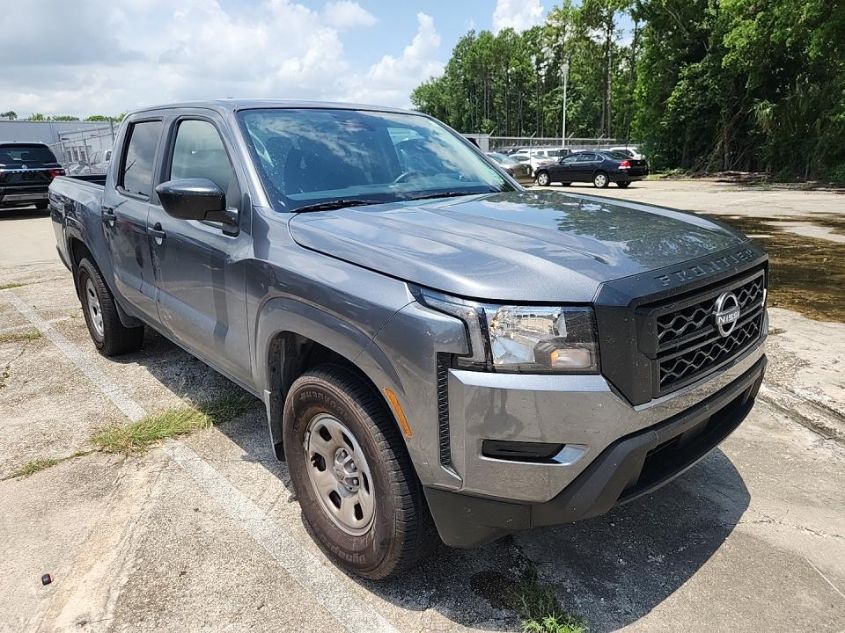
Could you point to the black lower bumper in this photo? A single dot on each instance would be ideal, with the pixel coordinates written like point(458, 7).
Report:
point(630, 467)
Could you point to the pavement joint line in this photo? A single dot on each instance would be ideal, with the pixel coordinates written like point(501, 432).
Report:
point(80, 358)
point(825, 578)
point(305, 568)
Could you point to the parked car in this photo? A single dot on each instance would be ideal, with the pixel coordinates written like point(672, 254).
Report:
point(520, 171)
point(536, 156)
point(630, 151)
point(26, 170)
point(597, 167)
point(438, 353)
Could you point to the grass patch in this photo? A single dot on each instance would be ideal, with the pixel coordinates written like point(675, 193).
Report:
point(9, 286)
point(535, 603)
point(23, 335)
point(156, 427)
point(35, 466)
point(540, 609)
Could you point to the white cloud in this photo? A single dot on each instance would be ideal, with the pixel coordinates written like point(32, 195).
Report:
point(99, 56)
point(391, 79)
point(345, 14)
point(517, 14)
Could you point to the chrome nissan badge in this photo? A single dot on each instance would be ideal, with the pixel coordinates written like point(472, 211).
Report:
point(726, 313)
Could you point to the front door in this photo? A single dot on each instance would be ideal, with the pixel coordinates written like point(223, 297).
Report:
point(199, 270)
point(125, 214)
point(564, 170)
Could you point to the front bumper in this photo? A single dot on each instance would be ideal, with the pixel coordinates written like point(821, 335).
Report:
point(628, 467)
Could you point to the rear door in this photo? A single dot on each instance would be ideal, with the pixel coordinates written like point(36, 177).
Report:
point(586, 164)
point(199, 274)
point(126, 208)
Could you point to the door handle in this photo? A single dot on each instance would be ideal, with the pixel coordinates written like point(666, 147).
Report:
point(157, 232)
point(108, 216)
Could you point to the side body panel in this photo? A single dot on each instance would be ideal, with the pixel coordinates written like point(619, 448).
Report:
point(200, 268)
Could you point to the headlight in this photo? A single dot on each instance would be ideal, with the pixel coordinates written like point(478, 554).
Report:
point(512, 338)
point(541, 339)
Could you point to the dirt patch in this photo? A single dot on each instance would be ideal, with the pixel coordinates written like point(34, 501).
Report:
point(807, 274)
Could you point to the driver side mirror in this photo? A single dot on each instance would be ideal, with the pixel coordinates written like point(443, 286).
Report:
point(195, 199)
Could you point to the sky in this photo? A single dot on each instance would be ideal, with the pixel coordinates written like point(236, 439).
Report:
point(105, 57)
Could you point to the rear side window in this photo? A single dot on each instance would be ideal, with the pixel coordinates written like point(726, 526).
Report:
point(199, 153)
point(136, 174)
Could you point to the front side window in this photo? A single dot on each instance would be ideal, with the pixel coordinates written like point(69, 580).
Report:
point(310, 156)
point(198, 152)
point(136, 175)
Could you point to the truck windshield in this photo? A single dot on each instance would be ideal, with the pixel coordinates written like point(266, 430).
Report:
point(306, 157)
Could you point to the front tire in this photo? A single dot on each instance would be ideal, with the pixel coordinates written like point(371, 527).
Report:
point(543, 179)
point(600, 180)
point(352, 475)
point(110, 336)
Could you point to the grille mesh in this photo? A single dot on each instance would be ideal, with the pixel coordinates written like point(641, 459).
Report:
point(679, 368)
point(697, 318)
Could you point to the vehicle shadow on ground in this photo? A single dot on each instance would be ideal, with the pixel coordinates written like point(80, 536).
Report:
point(611, 570)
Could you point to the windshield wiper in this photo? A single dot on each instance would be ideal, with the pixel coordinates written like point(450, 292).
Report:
point(446, 194)
point(338, 203)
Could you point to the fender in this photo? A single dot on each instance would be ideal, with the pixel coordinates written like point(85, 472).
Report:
point(285, 315)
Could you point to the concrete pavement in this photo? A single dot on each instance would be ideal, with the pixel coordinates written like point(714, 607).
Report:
point(204, 534)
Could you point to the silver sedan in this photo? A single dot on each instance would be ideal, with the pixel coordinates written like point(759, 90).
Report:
point(520, 171)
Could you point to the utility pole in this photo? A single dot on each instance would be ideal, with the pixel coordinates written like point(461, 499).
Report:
point(565, 77)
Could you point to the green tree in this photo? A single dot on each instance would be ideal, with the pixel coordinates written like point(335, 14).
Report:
point(11, 115)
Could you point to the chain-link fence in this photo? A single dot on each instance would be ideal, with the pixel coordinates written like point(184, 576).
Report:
point(81, 147)
point(498, 143)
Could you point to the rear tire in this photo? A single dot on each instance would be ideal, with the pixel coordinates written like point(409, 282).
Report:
point(600, 180)
point(623, 184)
point(110, 336)
point(543, 179)
point(343, 447)
point(566, 184)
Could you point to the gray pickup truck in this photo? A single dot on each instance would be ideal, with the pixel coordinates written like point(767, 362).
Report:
point(442, 354)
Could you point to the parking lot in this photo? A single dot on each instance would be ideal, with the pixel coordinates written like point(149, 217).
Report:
point(202, 532)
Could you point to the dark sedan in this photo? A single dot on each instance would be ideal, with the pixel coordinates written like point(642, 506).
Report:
point(599, 167)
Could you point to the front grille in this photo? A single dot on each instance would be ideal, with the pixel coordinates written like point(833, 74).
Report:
point(687, 344)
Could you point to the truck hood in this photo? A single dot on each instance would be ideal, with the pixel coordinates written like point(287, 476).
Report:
point(515, 246)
